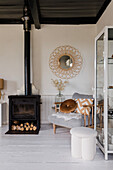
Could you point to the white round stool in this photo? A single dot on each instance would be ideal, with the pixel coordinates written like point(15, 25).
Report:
point(83, 143)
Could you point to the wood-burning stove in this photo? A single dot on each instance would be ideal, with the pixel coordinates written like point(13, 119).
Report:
point(24, 110)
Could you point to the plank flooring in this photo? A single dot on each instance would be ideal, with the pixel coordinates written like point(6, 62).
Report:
point(45, 151)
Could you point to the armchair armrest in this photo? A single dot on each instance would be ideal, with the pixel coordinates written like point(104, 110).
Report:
point(91, 106)
point(88, 106)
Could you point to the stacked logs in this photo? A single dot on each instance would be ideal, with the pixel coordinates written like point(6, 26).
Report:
point(24, 127)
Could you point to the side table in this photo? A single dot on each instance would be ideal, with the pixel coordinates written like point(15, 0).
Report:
point(57, 106)
point(2, 111)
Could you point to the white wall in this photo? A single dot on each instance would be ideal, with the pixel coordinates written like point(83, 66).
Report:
point(11, 57)
point(106, 19)
point(44, 42)
point(50, 37)
point(11, 60)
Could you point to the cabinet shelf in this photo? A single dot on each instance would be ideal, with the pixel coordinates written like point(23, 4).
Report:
point(110, 58)
point(99, 87)
point(102, 61)
point(109, 88)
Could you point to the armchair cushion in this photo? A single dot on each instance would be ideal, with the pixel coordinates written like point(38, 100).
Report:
point(67, 120)
point(69, 116)
point(68, 106)
point(80, 106)
point(82, 96)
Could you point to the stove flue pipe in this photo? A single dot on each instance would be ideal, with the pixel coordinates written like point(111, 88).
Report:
point(27, 28)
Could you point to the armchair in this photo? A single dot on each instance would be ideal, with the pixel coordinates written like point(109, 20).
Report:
point(78, 120)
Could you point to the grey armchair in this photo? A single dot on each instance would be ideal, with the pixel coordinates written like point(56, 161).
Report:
point(73, 122)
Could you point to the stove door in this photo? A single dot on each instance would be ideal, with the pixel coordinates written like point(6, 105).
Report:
point(24, 109)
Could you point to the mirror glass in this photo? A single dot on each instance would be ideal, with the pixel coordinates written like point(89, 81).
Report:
point(65, 62)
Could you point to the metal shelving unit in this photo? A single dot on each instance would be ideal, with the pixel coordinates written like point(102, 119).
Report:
point(103, 122)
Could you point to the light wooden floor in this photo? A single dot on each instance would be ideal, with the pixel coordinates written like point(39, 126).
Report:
point(45, 151)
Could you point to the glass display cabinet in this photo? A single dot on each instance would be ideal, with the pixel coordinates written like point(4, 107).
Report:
point(104, 90)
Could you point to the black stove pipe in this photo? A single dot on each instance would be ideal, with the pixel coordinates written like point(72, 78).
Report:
point(27, 62)
point(27, 27)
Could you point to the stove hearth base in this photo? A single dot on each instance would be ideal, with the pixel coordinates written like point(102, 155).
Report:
point(12, 132)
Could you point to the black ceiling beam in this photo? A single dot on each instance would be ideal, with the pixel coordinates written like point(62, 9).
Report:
point(34, 12)
point(102, 9)
point(72, 21)
point(88, 20)
point(11, 21)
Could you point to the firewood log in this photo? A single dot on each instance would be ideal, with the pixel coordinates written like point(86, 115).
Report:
point(27, 128)
point(27, 124)
point(22, 128)
point(21, 125)
point(34, 128)
point(31, 125)
point(17, 127)
point(31, 128)
point(13, 127)
point(16, 122)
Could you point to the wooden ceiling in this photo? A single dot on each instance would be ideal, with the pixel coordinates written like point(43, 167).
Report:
point(53, 11)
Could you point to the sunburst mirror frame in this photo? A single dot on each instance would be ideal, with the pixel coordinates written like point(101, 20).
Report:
point(73, 53)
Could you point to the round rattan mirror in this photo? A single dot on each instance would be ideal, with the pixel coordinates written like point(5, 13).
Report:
point(65, 62)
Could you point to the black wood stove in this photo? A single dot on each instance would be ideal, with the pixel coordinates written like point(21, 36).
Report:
point(24, 110)
point(24, 114)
